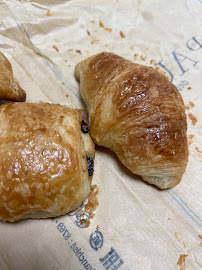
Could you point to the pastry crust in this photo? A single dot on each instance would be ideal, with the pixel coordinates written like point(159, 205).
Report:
point(9, 86)
point(43, 160)
point(136, 112)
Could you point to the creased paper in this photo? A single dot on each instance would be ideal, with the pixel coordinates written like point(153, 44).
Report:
point(135, 226)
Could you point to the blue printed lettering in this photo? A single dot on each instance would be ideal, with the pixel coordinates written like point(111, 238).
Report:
point(179, 58)
point(167, 70)
point(193, 44)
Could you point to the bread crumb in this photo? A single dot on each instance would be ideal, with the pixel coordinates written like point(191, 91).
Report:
point(153, 62)
point(88, 32)
point(108, 29)
point(192, 118)
point(122, 34)
point(56, 48)
point(95, 41)
point(143, 58)
point(92, 21)
point(132, 47)
point(136, 56)
point(190, 137)
point(48, 13)
point(86, 222)
point(106, 45)
point(191, 104)
point(91, 215)
point(78, 51)
point(181, 261)
point(177, 235)
point(185, 244)
point(169, 218)
point(200, 236)
point(70, 50)
point(189, 88)
point(198, 150)
point(66, 95)
point(101, 24)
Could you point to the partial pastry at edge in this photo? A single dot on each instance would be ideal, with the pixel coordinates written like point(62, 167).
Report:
point(46, 160)
point(9, 86)
point(137, 113)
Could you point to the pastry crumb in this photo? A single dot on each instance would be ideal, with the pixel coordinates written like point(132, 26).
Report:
point(135, 56)
point(181, 261)
point(191, 104)
point(101, 24)
point(92, 203)
point(66, 95)
point(91, 215)
point(122, 34)
point(95, 41)
point(192, 118)
point(153, 62)
point(169, 218)
point(200, 236)
point(177, 236)
point(86, 222)
point(189, 88)
point(185, 244)
point(190, 137)
point(48, 13)
point(198, 150)
point(143, 58)
point(78, 51)
point(56, 48)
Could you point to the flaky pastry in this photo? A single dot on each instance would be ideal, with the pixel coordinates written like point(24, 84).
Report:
point(45, 160)
point(136, 112)
point(9, 86)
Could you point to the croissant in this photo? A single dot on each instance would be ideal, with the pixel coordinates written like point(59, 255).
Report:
point(46, 160)
point(137, 113)
point(9, 87)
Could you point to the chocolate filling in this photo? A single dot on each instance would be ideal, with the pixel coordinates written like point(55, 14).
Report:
point(90, 165)
point(84, 127)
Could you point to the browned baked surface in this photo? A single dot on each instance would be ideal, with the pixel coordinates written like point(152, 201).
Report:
point(139, 114)
point(9, 86)
point(43, 164)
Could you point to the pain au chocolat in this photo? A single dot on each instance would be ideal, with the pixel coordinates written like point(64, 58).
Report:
point(46, 160)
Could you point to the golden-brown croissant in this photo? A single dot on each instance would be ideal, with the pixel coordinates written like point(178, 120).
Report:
point(136, 112)
point(9, 87)
point(46, 158)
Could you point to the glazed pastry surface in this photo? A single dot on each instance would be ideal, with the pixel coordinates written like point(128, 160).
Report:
point(43, 160)
point(137, 113)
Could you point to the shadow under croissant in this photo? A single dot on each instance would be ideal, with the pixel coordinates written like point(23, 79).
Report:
point(124, 169)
